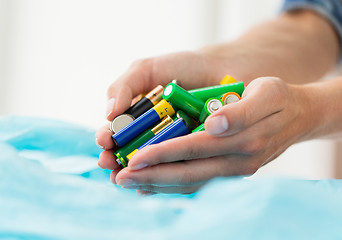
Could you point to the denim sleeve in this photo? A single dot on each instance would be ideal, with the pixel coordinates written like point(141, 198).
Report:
point(330, 9)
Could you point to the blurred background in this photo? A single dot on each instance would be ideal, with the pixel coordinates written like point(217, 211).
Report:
point(58, 57)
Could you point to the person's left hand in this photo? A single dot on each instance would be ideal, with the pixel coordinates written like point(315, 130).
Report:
point(239, 138)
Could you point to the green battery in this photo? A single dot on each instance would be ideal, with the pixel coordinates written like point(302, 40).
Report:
point(211, 105)
point(122, 153)
point(215, 91)
point(189, 121)
point(183, 100)
point(199, 128)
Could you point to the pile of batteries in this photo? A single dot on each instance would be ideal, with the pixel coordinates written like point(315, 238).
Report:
point(169, 112)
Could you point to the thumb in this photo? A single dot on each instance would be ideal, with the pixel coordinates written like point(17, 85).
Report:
point(136, 80)
point(262, 98)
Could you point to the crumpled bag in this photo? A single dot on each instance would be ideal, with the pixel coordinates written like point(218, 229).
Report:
point(52, 188)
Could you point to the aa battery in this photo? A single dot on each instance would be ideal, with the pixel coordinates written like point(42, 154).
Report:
point(227, 80)
point(211, 105)
point(183, 100)
point(176, 129)
point(122, 153)
point(137, 98)
point(189, 121)
point(144, 104)
point(230, 97)
point(216, 91)
point(145, 121)
point(176, 81)
point(120, 122)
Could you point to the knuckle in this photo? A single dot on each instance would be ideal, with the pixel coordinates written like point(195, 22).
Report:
point(278, 89)
point(192, 152)
point(250, 168)
point(246, 115)
point(111, 89)
point(241, 167)
point(141, 63)
point(270, 83)
point(188, 177)
point(224, 171)
point(155, 154)
point(239, 117)
point(147, 180)
point(148, 188)
point(254, 146)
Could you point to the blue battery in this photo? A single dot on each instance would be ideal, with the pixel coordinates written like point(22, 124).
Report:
point(140, 124)
point(176, 129)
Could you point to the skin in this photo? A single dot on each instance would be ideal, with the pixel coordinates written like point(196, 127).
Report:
point(273, 114)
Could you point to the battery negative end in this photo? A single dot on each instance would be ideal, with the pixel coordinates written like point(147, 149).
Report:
point(120, 122)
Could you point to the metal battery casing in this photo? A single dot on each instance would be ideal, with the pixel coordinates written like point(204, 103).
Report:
point(120, 122)
point(210, 106)
point(230, 97)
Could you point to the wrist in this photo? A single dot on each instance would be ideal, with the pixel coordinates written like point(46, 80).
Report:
point(321, 109)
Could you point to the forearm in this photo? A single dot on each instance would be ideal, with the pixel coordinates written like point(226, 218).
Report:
point(298, 47)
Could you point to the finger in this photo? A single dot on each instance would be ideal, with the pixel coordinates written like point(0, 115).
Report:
point(134, 81)
point(251, 141)
point(107, 160)
point(188, 172)
point(145, 193)
point(263, 97)
point(113, 175)
point(143, 75)
point(103, 137)
point(137, 98)
point(192, 146)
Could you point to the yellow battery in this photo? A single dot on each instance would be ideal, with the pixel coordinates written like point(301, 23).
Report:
point(129, 156)
point(164, 108)
point(227, 80)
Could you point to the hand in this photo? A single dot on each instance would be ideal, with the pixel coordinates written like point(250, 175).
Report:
point(271, 116)
point(194, 69)
point(239, 138)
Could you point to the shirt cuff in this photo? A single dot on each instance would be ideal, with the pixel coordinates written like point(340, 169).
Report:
point(331, 10)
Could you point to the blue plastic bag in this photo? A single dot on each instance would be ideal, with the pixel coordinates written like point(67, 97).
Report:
point(52, 188)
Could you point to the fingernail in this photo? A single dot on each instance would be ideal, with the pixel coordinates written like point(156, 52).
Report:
point(110, 106)
point(97, 143)
point(217, 125)
point(125, 183)
point(138, 166)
